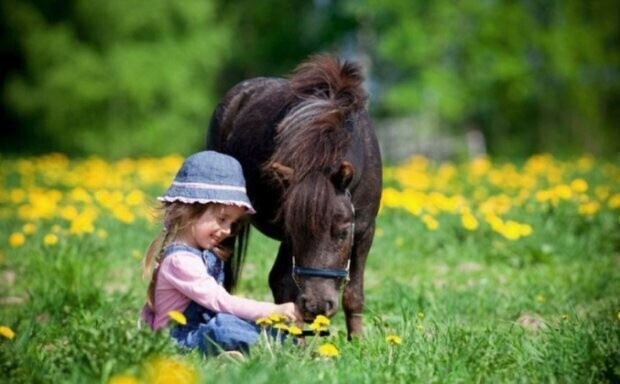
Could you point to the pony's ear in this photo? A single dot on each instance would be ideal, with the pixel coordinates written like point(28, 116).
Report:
point(342, 178)
point(282, 172)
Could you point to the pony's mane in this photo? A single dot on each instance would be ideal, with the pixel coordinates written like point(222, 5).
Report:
point(313, 138)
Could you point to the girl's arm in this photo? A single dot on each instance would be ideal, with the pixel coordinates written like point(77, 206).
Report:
point(188, 275)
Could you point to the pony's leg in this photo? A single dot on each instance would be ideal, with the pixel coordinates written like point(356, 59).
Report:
point(281, 283)
point(353, 294)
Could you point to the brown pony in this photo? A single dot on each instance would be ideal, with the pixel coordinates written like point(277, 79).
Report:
point(313, 172)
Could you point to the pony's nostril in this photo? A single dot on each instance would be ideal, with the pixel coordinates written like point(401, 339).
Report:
point(330, 307)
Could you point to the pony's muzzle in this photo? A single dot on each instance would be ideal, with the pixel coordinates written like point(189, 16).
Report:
point(312, 307)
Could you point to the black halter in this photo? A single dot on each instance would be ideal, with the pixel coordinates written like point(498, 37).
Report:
point(336, 273)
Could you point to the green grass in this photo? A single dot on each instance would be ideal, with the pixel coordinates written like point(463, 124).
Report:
point(469, 307)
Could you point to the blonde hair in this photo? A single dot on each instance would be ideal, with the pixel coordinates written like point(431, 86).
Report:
point(176, 217)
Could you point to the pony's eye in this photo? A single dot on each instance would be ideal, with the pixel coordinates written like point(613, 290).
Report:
point(342, 234)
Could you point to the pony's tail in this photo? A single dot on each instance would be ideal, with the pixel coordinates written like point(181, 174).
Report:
point(324, 76)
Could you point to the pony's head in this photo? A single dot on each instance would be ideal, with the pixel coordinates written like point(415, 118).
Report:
point(319, 225)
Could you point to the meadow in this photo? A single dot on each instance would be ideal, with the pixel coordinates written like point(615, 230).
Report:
point(480, 271)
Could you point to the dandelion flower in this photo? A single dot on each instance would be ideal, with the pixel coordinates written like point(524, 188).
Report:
point(328, 350)
point(29, 228)
point(7, 332)
point(264, 322)
point(589, 208)
point(394, 340)
point(294, 330)
point(420, 315)
point(469, 222)
point(170, 370)
point(281, 326)
point(579, 185)
point(420, 327)
point(430, 222)
point(322, 320)
point(320, 323)
point(540, 298)
point(50, 239)
point(276, 318)
point(178, 317)
point(123, 379)
point(17, 239)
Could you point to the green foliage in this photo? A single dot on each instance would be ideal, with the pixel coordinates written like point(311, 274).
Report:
point(531, 75)
point(111, 78)
point(115, 79)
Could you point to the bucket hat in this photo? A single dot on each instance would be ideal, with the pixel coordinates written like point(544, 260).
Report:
point(209, 177)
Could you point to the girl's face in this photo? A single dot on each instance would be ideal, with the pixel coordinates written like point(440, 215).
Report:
point(213, 226)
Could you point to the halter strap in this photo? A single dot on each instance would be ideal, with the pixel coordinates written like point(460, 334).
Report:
point(329, 273)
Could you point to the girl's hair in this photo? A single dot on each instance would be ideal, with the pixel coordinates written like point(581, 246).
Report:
point(176, 217)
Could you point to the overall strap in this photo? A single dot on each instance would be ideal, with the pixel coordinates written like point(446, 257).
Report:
point(176, 247)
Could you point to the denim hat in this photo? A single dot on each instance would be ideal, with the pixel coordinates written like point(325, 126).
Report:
point(209, 177)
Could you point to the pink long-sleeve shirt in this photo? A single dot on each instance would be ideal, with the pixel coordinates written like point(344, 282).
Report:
point(183, 277)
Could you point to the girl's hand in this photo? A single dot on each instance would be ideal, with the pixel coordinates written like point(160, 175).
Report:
point(289, 310)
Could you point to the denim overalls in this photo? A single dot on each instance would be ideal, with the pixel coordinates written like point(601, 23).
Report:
point(212, 332)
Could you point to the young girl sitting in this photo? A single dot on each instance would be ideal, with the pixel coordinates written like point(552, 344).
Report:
point(202, 207)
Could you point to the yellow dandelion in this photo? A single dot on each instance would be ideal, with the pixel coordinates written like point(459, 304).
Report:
point(394, 340)
point(469, 222)
point(328, 350)
point(294, 330)
point(430, 222)
point(579, 185)
point(50, 239)
point(17, 239)
point(276, 318)
point(264, 322)
point(540, 298)
point(420, 315)
point(82, 224)
point(136, 254)
point(281, 326)
point(124, 379)
point(420, 327)
point(29, 228)
point(589, 208)
point(7, 332)
point(178, 317)
point(322, 320)
point(102, 233)
point(169, 370)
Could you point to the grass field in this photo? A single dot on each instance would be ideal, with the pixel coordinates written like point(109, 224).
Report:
point(480, 272)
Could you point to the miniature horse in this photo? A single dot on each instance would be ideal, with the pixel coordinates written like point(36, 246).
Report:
point(313, 172)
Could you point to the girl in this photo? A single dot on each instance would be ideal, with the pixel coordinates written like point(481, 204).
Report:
point(202, 207)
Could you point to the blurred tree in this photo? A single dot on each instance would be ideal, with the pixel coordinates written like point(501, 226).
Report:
point(273, 37)
point(533, 75)
point(109, 77)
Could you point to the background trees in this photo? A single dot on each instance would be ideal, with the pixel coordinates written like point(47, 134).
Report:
point(127, 78)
